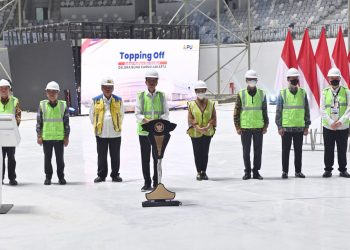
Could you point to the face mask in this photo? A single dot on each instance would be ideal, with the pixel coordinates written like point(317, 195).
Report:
point(252, 83)
point(335, 83)
point(200, 96)
point(294, 82)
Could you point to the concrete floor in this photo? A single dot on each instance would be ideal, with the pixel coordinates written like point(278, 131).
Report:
point(222, 213)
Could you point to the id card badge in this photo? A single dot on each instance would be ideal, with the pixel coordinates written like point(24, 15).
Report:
point(334, 110)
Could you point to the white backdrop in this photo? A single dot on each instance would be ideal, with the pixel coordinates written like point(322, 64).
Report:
point(127, 60)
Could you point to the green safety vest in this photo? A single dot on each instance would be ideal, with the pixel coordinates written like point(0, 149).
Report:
point(343, 103)
point(202, 118)
point(251, 114)
point(293, 114)
point(53, 127)
point(150, 108)
point(9, 107)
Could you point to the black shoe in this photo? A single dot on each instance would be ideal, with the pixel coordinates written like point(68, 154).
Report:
point(284, 175)
point(146, 188)
point(155, 185)
point(13, 182)
point(246, 176)
point(299, 175)
point(327, 174)
point(47, 182)
point(257, 176)
point(204, 176)
point(344, 174)
point(117, 179)
point(199, 177)
point(99, 179)
point(62, 181)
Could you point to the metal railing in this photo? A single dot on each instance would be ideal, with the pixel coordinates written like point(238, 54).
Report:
point(75, 31)
point(277, 34)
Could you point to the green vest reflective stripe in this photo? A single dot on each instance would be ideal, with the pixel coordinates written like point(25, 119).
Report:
point(53, 127)
point(202, 118)
point(150, 108)
point(251, 114)
point(9, 107)
point(343, 103)
point(293, 114)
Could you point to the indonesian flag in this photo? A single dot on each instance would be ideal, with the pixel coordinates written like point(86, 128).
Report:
point(288, 60)
point(349, 60)
point(323, 61)
point(308, 75)
point(340, 59)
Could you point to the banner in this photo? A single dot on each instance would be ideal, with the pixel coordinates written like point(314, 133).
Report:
point(127, 61)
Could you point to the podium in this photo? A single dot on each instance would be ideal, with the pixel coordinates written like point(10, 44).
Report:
point(9, 137)
point(159, 136)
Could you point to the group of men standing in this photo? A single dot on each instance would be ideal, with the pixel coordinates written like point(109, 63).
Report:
point(293, 121)
point(250, 119)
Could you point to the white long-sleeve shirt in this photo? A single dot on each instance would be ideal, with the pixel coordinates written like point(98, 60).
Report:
point(140, 117)
point(342, 119)
point(108, 127)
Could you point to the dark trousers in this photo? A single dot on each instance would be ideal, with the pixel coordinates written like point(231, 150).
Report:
point(297, 138)
point(48, 147)
point(201, 152)
point(114, 152)
point(146, 147)
point(330, 138)
point(11, 162)
point(246, 138)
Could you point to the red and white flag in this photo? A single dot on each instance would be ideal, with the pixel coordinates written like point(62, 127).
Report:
point(340, 58)
point(349, 60)
point(323, 61)
point(288, 60)
point(308, 75)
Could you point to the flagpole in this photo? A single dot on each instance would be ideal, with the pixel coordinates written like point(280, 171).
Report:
point(249, 23)
point(348, 25)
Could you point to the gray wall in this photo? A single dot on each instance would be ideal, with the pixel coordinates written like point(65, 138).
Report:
point(34, 65)
point(264, 59)
point(4, 59)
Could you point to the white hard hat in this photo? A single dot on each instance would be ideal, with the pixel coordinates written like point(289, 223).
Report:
point(53, 86)
point(200, 85)
point(292, 72)
point(334, 72)
point(151, 74)
point(108, 81)
point(4, 82)
point(251, 74)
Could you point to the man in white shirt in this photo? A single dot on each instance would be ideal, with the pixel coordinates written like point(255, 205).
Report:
point(106, 115)
point(150, 105)
point(335, 107)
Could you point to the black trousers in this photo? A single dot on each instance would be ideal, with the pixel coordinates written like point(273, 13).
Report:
point(11, 162)
point(201, 152)
point(246, 138)
point(146, 151)
point(297, 138)
point(114, 152)
point(48, 147)
point(330, 138)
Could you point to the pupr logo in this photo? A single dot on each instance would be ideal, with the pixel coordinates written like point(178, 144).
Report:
point(159, 127)
point(188, 47)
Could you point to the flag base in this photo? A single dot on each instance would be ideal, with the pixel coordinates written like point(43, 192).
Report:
point(4, 208)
